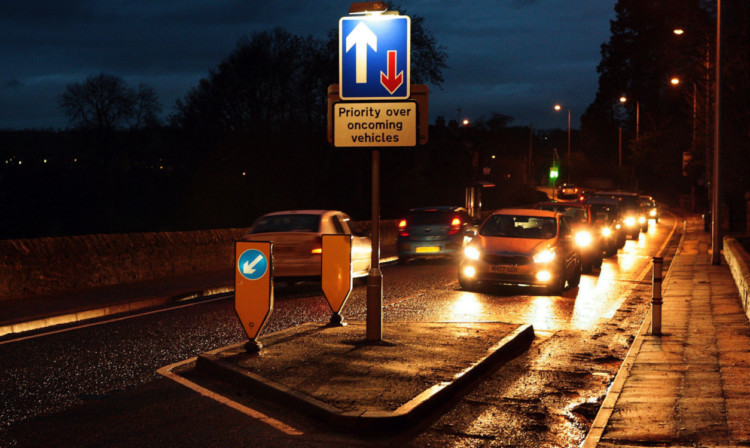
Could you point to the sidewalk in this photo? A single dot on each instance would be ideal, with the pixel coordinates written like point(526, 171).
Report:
point(690, 386)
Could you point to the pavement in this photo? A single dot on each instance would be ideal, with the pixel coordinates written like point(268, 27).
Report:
point(688, 386)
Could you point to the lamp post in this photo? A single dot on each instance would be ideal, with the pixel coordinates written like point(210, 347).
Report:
point(624, 99)
point(558, 108)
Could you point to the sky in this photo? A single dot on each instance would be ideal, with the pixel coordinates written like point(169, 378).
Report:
point(514, 57)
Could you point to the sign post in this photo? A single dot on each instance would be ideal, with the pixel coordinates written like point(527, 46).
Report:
point(336, 272)
point(376, 110)
point(253, 288)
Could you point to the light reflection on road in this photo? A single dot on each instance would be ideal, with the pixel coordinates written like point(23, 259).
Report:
point(597, 298)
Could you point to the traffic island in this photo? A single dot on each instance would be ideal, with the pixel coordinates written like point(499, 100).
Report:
point(333, 374)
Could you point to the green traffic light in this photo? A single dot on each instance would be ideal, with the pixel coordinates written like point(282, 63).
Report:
point(553, 172)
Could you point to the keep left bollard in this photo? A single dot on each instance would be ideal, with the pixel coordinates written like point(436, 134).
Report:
point(656, 300)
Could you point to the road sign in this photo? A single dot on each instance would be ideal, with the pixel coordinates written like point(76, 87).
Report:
point(379, 124)
point(419, 93)
point(253, 285)
point(374, 57)
point(336, 269)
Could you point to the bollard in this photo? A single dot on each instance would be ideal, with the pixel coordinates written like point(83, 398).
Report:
point(656, 297)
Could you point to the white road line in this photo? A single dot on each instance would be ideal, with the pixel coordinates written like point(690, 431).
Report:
point(107, 321)
point(167, 372)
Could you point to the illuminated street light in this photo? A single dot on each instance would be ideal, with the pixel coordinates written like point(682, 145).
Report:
point(675, 81)
point(679, 31)
point(624, 99)
point(466, 122)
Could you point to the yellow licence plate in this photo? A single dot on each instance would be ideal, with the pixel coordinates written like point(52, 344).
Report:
point(428, 249)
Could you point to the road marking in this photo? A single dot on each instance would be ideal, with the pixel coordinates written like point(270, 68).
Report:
point(107, 321)
point(167, 372)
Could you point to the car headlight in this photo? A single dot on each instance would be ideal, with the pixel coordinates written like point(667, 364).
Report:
point(544, 256)
point(606, 232)
point(583, 238)
point(630, 221)
point(641, 219)
point(652, 212)
point(471, 252)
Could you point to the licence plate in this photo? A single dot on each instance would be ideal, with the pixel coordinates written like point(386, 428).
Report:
point(504, 269)
point(428, 249)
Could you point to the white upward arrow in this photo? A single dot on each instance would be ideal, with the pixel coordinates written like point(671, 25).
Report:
point(361, 36)
point(249, 268)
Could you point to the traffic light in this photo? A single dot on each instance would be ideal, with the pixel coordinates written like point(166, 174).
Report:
point(553, 173)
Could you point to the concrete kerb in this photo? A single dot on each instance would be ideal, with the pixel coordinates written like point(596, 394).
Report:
point(367, 421)
point(110, 310)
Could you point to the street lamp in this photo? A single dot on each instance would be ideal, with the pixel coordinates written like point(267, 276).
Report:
point(624, 99)
point(558, 108)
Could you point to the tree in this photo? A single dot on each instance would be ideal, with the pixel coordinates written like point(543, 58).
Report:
point(105, 103)
point(640, 57)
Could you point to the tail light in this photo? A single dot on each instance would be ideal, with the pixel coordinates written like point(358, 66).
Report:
point(317, 247)
point(455, 226)
point(402, 230)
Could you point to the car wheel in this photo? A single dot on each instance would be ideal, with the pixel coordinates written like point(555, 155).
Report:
point(598, 262)
point(574, 281)
point(558, 283)
point(587, 267)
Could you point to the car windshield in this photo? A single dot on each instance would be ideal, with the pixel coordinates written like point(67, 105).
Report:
point(287, 223)
point(574, 214)
point(518, 226)
point(430, 217)
point(603, 213)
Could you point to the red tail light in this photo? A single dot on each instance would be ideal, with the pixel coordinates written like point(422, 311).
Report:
point(317, 247)
point(455, 226)
point(402, 231)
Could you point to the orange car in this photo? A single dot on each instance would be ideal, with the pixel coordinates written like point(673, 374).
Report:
point(523, 247)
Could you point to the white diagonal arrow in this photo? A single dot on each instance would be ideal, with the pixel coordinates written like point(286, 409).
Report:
point(249, 268)
point(361, 36)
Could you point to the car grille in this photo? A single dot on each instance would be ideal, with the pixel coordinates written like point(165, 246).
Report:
point(518, 260)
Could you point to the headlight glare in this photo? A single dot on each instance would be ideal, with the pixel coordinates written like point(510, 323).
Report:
point(606, 231)
point(544, 256)
point(583, 238)
point(630, 221)
point(471, 252)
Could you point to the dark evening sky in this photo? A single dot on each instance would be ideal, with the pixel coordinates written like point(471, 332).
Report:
point(516, 57)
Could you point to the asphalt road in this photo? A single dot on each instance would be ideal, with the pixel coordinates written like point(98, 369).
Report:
point(98, 386)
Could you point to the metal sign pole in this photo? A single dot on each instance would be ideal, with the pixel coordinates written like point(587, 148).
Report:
point(374, 330)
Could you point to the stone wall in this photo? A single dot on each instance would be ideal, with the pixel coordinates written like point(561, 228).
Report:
point(739, 263)
point(31, 267)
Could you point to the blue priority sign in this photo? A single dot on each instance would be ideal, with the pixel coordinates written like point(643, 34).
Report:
point(374, 57)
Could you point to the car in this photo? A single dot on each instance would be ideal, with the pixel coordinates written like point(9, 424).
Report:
point(587, 235)
point(522, 247)
point(633, 215)
point(432, 231)
point(297, 242)
point(652, 210)
point(607, 221)
point(569, 192)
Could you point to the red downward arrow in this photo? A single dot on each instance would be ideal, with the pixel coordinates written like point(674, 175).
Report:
point(392, 81)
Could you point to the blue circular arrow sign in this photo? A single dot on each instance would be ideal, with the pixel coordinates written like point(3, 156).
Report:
point(252, 264)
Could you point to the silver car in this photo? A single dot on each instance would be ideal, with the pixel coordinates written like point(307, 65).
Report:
point(297, 241)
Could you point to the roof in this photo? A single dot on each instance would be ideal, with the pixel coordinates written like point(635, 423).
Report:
point(440, 208)
point(300, 212)
point(526, 212)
